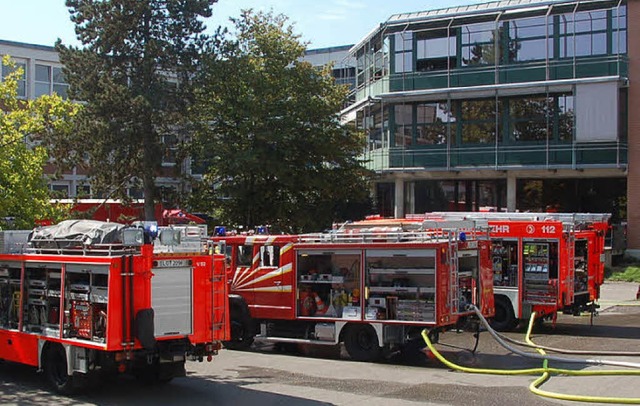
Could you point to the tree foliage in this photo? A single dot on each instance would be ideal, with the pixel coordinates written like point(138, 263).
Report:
point(133, 74)
point(277, 153)
point(24, 194)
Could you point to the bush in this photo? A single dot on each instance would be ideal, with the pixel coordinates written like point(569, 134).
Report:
point(630, 273)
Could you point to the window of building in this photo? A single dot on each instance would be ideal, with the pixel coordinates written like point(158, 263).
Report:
point(83, 191)
point(22, 80)
point(564, 114)
point(345, 76)
point(478, 121)
point(373, 123)
point(170, 143)
point(50, 80)
point(435, 50)
point(377, 64)
point(432, 121)
point(619, 33)
point(529, 118)
point(403, 51)
point(403, 118)
point(59, 191)
point(372, 62)
point(583, 33)
point(135, 193)
point(479, 43)
point(530, 39)
point(360, 65)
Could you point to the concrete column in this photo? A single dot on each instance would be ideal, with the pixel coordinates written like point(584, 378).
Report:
point(633, 136)
point(410, 197)
point(399, 203)
point(511, 192)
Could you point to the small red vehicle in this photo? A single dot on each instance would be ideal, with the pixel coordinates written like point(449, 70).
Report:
point(87, 297)
point(372, 288)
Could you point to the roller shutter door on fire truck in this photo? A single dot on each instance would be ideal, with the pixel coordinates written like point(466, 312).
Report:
point(171, 297)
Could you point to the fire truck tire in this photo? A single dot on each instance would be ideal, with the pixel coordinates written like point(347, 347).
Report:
point(504, 319)
point(361, 343)
point(241, 331)
point(54, 359)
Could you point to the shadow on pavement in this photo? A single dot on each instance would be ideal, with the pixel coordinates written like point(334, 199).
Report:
point(22, 385)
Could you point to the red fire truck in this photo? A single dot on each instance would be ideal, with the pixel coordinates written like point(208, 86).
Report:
point(542, 262)
point(87, 297)
point(372, 288)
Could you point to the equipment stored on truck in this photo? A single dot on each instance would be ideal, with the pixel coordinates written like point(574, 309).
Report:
point(85, 298)
point(372, 289)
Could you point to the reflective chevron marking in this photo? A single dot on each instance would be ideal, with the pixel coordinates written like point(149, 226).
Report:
point(268, 289)
point(269, 275)
point(286, 248)
point(238, 274)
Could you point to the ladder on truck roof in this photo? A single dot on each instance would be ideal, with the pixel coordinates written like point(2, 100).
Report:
point(426, 231)
point(571, 218)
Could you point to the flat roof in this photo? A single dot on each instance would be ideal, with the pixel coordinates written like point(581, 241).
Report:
point(492, 7)
point(30, 46)
point(328, 49)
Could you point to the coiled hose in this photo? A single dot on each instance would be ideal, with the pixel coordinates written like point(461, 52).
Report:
point(545, 370)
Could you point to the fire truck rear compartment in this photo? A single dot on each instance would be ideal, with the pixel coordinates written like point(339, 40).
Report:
point(171, 299)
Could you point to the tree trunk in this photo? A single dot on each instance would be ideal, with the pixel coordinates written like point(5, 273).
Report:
point(149, 198)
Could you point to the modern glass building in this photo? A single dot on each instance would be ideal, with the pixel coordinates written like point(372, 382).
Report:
point(508, 105)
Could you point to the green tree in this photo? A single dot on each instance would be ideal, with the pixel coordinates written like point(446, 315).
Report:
point(24, 194)
point(133, 74)
point(277, 153)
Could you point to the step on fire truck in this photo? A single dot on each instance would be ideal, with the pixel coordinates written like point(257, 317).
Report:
point(542, 262)
point(84, 298)
point(371, 289)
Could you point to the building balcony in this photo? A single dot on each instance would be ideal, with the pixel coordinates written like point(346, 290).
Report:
point(500, 157)
point(469, 76)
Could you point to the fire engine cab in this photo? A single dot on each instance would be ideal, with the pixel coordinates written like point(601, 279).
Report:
point(542, 262)
point(85, 297)
point(370, 288)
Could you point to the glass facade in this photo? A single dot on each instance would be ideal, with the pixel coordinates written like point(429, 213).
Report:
point(499, 40)
point(505, 120)
point(487, 56)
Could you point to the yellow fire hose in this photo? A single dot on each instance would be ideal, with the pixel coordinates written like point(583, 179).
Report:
point(545, 370)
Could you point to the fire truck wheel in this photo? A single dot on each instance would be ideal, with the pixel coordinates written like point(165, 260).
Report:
point(55, 369)
point(361, 342)
point(504, 319)
point(241, 335)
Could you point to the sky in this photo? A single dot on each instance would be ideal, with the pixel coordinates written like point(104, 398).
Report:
point(321, 23)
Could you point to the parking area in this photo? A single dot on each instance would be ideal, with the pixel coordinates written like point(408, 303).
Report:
point(276, 375)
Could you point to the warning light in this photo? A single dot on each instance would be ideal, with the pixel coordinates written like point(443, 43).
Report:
point(463, 236)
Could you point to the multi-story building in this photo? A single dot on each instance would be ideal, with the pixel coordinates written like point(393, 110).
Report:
point(343, 63)
point(42, 74)
point(508, 105)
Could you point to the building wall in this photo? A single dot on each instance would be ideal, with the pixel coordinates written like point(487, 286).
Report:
point(633, 177)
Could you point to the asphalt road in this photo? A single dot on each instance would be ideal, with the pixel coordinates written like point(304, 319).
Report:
point(324, 376)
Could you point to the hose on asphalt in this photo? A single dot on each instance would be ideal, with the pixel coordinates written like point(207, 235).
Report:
point(533, 345)
point(545, 370)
